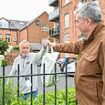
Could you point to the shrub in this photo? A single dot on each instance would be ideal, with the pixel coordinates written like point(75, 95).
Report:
point(16, 48)
point(11, 97)
point(4, 62)
point(60, 98)
point(3, 46)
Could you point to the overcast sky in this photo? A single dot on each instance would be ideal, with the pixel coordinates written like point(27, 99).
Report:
point(25, 10)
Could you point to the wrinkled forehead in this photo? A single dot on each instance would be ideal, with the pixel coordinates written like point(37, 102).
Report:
point(25, 45)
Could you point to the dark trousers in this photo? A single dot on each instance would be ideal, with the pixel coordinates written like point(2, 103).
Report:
point(34, 94)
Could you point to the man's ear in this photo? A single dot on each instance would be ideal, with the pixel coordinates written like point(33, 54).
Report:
point(90, 20)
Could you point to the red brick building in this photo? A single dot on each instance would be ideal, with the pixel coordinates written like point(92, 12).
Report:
point(65, 19)
point(36, 30)
point(68, 30)
point(9, 30)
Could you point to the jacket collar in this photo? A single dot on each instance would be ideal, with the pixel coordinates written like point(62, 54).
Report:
point(93, 33)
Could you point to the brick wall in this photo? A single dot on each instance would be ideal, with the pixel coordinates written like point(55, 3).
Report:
point(11, 56)
point(102, 5)
point(13, 35)
point(71, 30)
point(22, 35)
point(34, 32)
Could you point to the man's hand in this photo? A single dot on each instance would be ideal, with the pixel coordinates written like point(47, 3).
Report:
point(46, 42)
point(53, 44)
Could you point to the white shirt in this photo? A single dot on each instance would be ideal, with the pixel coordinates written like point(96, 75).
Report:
point(25, 69)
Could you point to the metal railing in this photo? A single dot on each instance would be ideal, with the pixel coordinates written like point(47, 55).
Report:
point(53, 2)
point(54, 31)
point(3, 77)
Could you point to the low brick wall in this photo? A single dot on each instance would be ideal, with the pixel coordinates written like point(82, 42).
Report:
point(11, 56)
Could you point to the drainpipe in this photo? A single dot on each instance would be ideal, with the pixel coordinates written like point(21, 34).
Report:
point(59, 19)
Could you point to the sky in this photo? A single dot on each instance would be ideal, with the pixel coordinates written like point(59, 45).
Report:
point(25, 10)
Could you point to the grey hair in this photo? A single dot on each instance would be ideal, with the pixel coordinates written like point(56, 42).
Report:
point(23, 42)
point(90, 10)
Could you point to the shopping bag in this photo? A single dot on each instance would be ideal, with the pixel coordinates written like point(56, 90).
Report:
point(49, 60)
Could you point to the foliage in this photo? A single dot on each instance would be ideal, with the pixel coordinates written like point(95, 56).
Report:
point(4, 62)
point(16, 47)
point(3, 46)
point(60, 98)
point(11, 97)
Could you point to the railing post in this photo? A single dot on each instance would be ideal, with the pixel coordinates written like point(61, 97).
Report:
point(3, 93)
point(31, 82)
point(55, 83)
point(66, 91)
point(18, 82)
point(43, 84)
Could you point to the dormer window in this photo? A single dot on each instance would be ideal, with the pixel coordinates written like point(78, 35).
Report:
point(0, 24)
point(4, 23)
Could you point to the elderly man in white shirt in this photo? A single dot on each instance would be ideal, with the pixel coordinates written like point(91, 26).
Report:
point(24, 60)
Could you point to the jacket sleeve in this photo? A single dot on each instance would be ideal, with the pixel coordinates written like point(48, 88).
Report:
point(38, 56)
point(102, 66)
point(12, 72)
point(72, 47)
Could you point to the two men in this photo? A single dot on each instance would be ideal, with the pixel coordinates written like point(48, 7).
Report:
point(90, 73)
point(24, 60)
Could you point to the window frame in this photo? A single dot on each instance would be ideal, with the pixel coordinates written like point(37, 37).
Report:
point(66, 20)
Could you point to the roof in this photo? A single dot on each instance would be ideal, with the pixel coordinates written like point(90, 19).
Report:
point(13, 24)
point(33, 21)
point(17, 24)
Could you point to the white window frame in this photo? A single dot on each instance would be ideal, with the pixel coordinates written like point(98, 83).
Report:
point(66, 20)
point(45, 28)
point(66, 1)
point(8, 38)
point(66, 37)
point(1, 25)
point(15, 37)
point(0, 36)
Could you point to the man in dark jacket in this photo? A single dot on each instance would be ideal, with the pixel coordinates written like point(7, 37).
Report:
point(90, 73)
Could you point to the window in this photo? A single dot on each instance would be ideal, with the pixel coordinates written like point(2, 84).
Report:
point(67, 1)
point(66, 37)
point(21, 23)
point(0, 25)
point(4, 23)
point(15, 37)
point(8, 38)
point(0, 36)
point(66, 20)
point(45, 28)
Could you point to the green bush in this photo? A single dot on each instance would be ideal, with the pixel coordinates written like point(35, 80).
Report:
point(3, 46)
point(11, 97)
point(16, 48)
point(60, 98)
point(4, 62)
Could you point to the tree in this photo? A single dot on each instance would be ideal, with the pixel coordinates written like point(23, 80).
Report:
point(3, 46)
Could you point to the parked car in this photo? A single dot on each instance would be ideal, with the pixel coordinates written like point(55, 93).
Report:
point(70, 63)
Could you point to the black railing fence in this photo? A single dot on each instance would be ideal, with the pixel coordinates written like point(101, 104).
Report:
point(66, 78)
